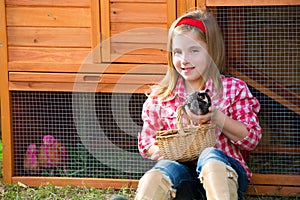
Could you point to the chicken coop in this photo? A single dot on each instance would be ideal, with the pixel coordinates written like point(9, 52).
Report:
point(74, 76)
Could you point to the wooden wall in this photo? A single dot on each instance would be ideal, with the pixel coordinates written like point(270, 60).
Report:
point(50, 43)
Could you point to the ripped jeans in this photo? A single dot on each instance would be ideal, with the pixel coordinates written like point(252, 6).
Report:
point(184, 176)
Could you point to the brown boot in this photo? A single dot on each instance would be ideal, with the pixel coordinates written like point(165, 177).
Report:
point(219, 182)
point(154, 186)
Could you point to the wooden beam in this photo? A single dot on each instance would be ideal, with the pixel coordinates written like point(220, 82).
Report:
point(251, 2)
point(95, 31)
point(276, 179)
point(5, 100)
point(105, 30)
point(116, 83)
point(79, 87)
point(259, 190)
point(171, 12)
point(85, 78)
point(201, 4)
point(76, 67)
point(184, 6)
point(81, 182)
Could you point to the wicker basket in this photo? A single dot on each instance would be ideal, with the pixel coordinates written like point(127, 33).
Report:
point(185, 144)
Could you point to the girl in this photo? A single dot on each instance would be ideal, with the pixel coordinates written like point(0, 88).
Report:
point(195, 60)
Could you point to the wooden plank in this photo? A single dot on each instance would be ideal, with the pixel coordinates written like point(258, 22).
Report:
point(143, 42)
point(82, 87)
point(51, 37)
point(201, 4)
point(65, 3)
point(171, 12)
point(276, 179)
point(7, 143)
point(105, 30)
point(138, 49)
point(95, 33)
point(119, 21)
point(131, 83)
point(46, 67)
point(139, 59)
point(138, 12)
point(88, 67)
point(273, 190)
point(251, 2)
point(55, 55)
point(117, 28)
point(184, 6)
point(140, 35)
point(48, 16)
point(82, 182)
point(86, 78)
point(141, 1)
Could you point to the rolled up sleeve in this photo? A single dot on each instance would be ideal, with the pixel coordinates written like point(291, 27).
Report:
point(147, 136)
point(245, 109)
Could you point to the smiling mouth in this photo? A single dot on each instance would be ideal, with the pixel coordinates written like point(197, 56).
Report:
point(187, 68)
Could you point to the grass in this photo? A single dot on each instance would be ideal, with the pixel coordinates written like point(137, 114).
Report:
point(51, 192)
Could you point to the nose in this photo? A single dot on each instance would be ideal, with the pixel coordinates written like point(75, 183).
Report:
point(184, 59)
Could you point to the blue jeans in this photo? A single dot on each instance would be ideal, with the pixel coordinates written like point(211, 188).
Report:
point(184, 176)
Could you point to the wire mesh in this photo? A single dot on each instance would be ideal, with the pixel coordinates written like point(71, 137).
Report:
point(94, 138)
point(263, 49)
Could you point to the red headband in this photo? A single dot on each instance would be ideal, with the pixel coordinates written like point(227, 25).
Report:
point(192, 22)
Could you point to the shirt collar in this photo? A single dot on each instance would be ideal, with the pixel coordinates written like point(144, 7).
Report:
point(180, 89)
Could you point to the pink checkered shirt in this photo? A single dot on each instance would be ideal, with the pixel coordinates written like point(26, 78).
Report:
point(237, 102)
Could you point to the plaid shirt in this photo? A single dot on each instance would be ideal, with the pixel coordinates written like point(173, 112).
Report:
point(237, 102)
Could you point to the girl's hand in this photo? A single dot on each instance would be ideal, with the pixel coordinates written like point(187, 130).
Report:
point(154, 153)
point(200, 119)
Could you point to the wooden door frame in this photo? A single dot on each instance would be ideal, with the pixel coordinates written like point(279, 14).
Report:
point(7, 145)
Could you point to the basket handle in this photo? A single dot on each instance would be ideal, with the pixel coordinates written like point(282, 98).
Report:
point(179, 123)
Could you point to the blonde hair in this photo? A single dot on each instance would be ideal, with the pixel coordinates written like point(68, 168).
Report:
point(216, 50)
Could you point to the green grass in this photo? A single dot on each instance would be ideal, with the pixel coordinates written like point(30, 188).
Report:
point(49, 192)
point(1, 153)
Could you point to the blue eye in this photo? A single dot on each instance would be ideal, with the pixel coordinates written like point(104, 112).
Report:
point(175, 52)
point(195, 50)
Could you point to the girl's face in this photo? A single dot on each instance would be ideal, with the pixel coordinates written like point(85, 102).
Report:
point(190, 57)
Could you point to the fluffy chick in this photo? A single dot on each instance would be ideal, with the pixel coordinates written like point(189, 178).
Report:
point(30, 162)
point(52, 154)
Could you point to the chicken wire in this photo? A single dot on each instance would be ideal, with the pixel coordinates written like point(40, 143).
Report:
point(263, 48)
point(97, 130)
